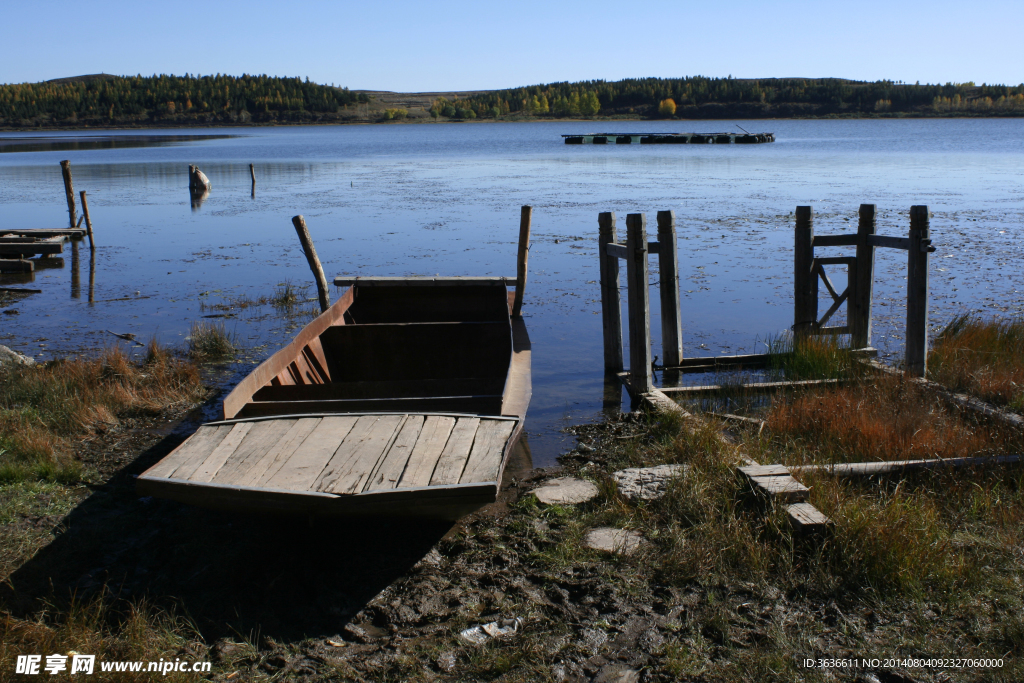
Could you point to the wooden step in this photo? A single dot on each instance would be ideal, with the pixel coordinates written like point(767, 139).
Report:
point(45, 232)
point(808, 520)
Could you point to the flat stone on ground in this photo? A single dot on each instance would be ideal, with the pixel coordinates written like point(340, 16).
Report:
point(614, 540)
point(646, 483)
point(8, 355)
point(565, 491)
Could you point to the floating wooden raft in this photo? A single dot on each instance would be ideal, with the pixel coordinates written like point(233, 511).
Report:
point(427, 464)
point(669, 138)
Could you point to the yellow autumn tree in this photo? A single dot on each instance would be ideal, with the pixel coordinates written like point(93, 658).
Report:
point(667, 107)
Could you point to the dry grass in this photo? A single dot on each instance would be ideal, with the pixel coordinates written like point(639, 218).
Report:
point(886, 418)
point(44, 408)
point(135, 632)
point(982, 357)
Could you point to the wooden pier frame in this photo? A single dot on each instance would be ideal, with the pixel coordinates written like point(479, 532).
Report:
point(635, 251)
point(641, 377)
point(808, 269)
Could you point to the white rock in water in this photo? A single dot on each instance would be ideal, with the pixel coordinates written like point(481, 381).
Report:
point(565, 491)
point(614, 540)
point(647, 483)
point(13, 357)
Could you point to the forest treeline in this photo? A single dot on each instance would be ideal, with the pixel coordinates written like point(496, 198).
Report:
point(221, 99)
point(107, 100)
point(710, 98)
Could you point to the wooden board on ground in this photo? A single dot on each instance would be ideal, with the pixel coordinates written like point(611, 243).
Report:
point(419, 460)
point(807, 520)
point(782, 489)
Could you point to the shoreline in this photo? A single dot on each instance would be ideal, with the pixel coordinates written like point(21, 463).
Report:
point(164, 125)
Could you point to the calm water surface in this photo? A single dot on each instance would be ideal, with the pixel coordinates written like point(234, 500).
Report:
point(444, 199)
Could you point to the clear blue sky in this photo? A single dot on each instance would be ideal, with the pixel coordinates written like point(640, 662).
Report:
point(480, 44)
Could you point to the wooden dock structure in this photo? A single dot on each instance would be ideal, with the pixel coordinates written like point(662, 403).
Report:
point(669, 138)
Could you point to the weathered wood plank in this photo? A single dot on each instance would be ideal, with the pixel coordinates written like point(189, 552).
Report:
point(274, 459)
point(864, 284)
point(889, 242)
point(260, 439)
point(754, 471)
point(354, 461)
point(220, 455)
point(807, 520)
point(199, 445)
point(428, 449)
point(867, 469)
point(488, 448)
point(917, 293)
point(453, 460)
point(305, 466)
point(755, 386)
point(389, 470)
point(783, 489)
point(834, 240)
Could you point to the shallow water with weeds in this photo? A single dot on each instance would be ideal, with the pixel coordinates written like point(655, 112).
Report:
point(426, 199)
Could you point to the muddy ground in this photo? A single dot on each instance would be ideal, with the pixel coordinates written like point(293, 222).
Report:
point(363, 600)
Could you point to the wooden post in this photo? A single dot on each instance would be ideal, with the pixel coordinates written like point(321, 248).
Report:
point(668, 265)
point(524, 252)
point(862, 283)
point(88, 221)
point(69, 191)
point(252, 174)
point(805, 282)
point(611, 308)
point(637, 276)
point(917, 292)
point(314, 262)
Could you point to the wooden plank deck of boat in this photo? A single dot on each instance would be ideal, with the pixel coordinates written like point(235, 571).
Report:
point(428, 464)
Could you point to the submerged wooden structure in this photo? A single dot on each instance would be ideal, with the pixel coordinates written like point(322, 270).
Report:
point(405, 397)
point(669, 138)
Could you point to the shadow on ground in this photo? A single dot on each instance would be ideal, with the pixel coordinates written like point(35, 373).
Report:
point(235, 576)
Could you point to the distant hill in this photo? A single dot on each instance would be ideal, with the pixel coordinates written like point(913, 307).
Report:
point(89, 78)
point(106, 100)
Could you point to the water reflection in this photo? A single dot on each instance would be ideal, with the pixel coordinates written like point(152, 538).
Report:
point(198, 197)
point(90, 142)
point(76, 278)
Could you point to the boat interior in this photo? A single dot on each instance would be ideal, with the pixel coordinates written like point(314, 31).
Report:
point(391, 348)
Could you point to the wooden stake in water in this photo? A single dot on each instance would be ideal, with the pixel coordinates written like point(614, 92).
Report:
point(88, 221)
point(524, 252)
point(668, 267)
point(864, 280)
point(805, 280)
point(611, 306)
point(637, 278)
point(314, 261)
point(917, 292)
point(252, 174)
point(69, 191)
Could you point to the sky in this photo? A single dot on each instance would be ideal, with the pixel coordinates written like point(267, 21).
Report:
point(460, 45)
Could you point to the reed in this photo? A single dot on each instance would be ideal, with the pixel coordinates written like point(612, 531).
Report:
point(808, 357)
point(210, 342)
point(981, 357)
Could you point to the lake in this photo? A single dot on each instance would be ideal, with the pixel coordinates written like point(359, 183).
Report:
point(425, 199)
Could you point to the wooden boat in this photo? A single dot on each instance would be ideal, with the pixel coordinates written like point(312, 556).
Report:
point(405, 397)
